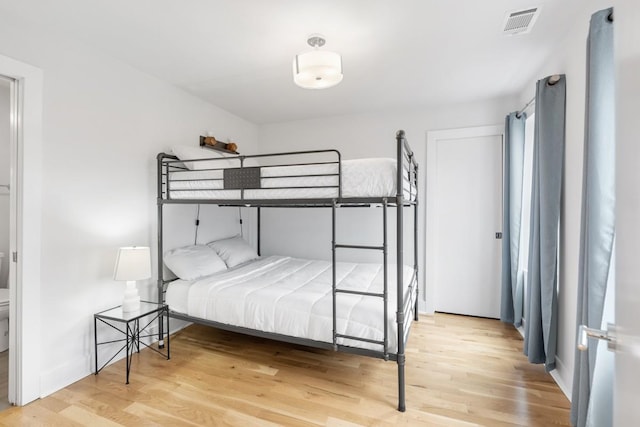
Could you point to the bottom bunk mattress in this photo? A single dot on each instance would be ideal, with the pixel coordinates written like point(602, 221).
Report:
point(293, 297)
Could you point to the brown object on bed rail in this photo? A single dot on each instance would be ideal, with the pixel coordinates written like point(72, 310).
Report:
point(211, 142)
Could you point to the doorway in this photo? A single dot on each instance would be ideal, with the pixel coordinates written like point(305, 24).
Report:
point(25, 241)
point(464, 220)
point(5, 233)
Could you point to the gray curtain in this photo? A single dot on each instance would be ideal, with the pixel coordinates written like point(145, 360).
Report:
point(541, 327)
point(598, 201)
point(512, 286)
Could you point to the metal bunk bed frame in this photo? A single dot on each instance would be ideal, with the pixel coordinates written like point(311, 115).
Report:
point(244, 178)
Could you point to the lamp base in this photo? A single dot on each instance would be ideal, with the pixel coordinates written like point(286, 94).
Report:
point(131, 301)
point(131, 305)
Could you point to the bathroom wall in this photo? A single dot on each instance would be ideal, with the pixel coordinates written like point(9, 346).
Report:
point(4, 179)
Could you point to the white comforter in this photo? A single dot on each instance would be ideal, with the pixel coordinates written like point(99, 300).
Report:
point(292, 297)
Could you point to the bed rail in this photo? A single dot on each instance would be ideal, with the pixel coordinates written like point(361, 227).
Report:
point(407, 179)
point(243, 180)
point(226, 180)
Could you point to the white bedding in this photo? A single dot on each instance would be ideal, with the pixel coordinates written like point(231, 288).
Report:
point(292, 297)
point(360, 178)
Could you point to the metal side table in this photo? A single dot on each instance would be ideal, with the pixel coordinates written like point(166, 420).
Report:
point(132, 330)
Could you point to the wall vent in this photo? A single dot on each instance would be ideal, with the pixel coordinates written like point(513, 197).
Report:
point(520, 21)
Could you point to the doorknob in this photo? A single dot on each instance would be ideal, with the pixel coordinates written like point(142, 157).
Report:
point(584, 333)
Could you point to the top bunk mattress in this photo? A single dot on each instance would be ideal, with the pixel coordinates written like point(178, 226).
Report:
point(361, 178)
point(293, 297)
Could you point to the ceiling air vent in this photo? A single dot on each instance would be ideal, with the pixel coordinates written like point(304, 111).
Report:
point(520, 21)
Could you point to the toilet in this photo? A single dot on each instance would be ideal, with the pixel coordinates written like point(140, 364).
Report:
point(4, 313)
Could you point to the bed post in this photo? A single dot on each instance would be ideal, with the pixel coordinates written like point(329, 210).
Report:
point(160, 251)
point(385, 269)
point(258, 231)
point(399, 267)
point(333, 273)
point(415, 243)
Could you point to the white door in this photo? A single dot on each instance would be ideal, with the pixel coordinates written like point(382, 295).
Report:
point(627, 302)
point(464, 213)
point(626, 331)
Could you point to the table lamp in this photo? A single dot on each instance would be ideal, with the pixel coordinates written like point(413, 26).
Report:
point(132, 263)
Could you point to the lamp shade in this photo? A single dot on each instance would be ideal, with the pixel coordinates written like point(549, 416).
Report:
point(317, 69)
point(133, 263)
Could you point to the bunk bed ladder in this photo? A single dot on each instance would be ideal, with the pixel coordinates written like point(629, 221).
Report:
point(383, 295)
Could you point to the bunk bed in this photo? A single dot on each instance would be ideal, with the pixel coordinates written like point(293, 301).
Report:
point(324, 290)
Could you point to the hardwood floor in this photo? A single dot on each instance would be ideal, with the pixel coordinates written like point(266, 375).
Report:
point(461, 371)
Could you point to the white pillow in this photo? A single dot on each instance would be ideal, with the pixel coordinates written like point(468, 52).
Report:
point(234, 251)
point(193, 262)
point(186, 152)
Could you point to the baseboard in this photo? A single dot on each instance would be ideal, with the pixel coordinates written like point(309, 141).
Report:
point(424, 308)
point(65, 374)
point(68, 373)
point(556, 374)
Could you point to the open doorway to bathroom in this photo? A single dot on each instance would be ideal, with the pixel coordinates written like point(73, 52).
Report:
point(5, 229)
point(23, 257)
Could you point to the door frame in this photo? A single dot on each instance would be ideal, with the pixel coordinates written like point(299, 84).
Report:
point(26, 200)
point(432, 203)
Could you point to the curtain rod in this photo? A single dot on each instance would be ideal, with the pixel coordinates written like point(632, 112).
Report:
point(552, 80)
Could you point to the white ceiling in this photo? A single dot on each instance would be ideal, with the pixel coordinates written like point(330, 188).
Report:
point(237, 54)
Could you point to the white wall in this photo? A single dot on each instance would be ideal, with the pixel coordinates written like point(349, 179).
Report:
point(104, 122)
point(5, 99)
point(569, 57)
point(357, 136)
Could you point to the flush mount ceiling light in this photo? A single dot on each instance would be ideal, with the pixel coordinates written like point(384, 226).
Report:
point(318, 69)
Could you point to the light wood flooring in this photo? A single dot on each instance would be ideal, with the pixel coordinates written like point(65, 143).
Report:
point(461, 371)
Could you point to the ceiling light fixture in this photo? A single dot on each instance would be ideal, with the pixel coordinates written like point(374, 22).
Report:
point(317, 69)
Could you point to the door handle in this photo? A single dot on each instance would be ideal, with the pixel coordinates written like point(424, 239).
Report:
point(584, 333)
